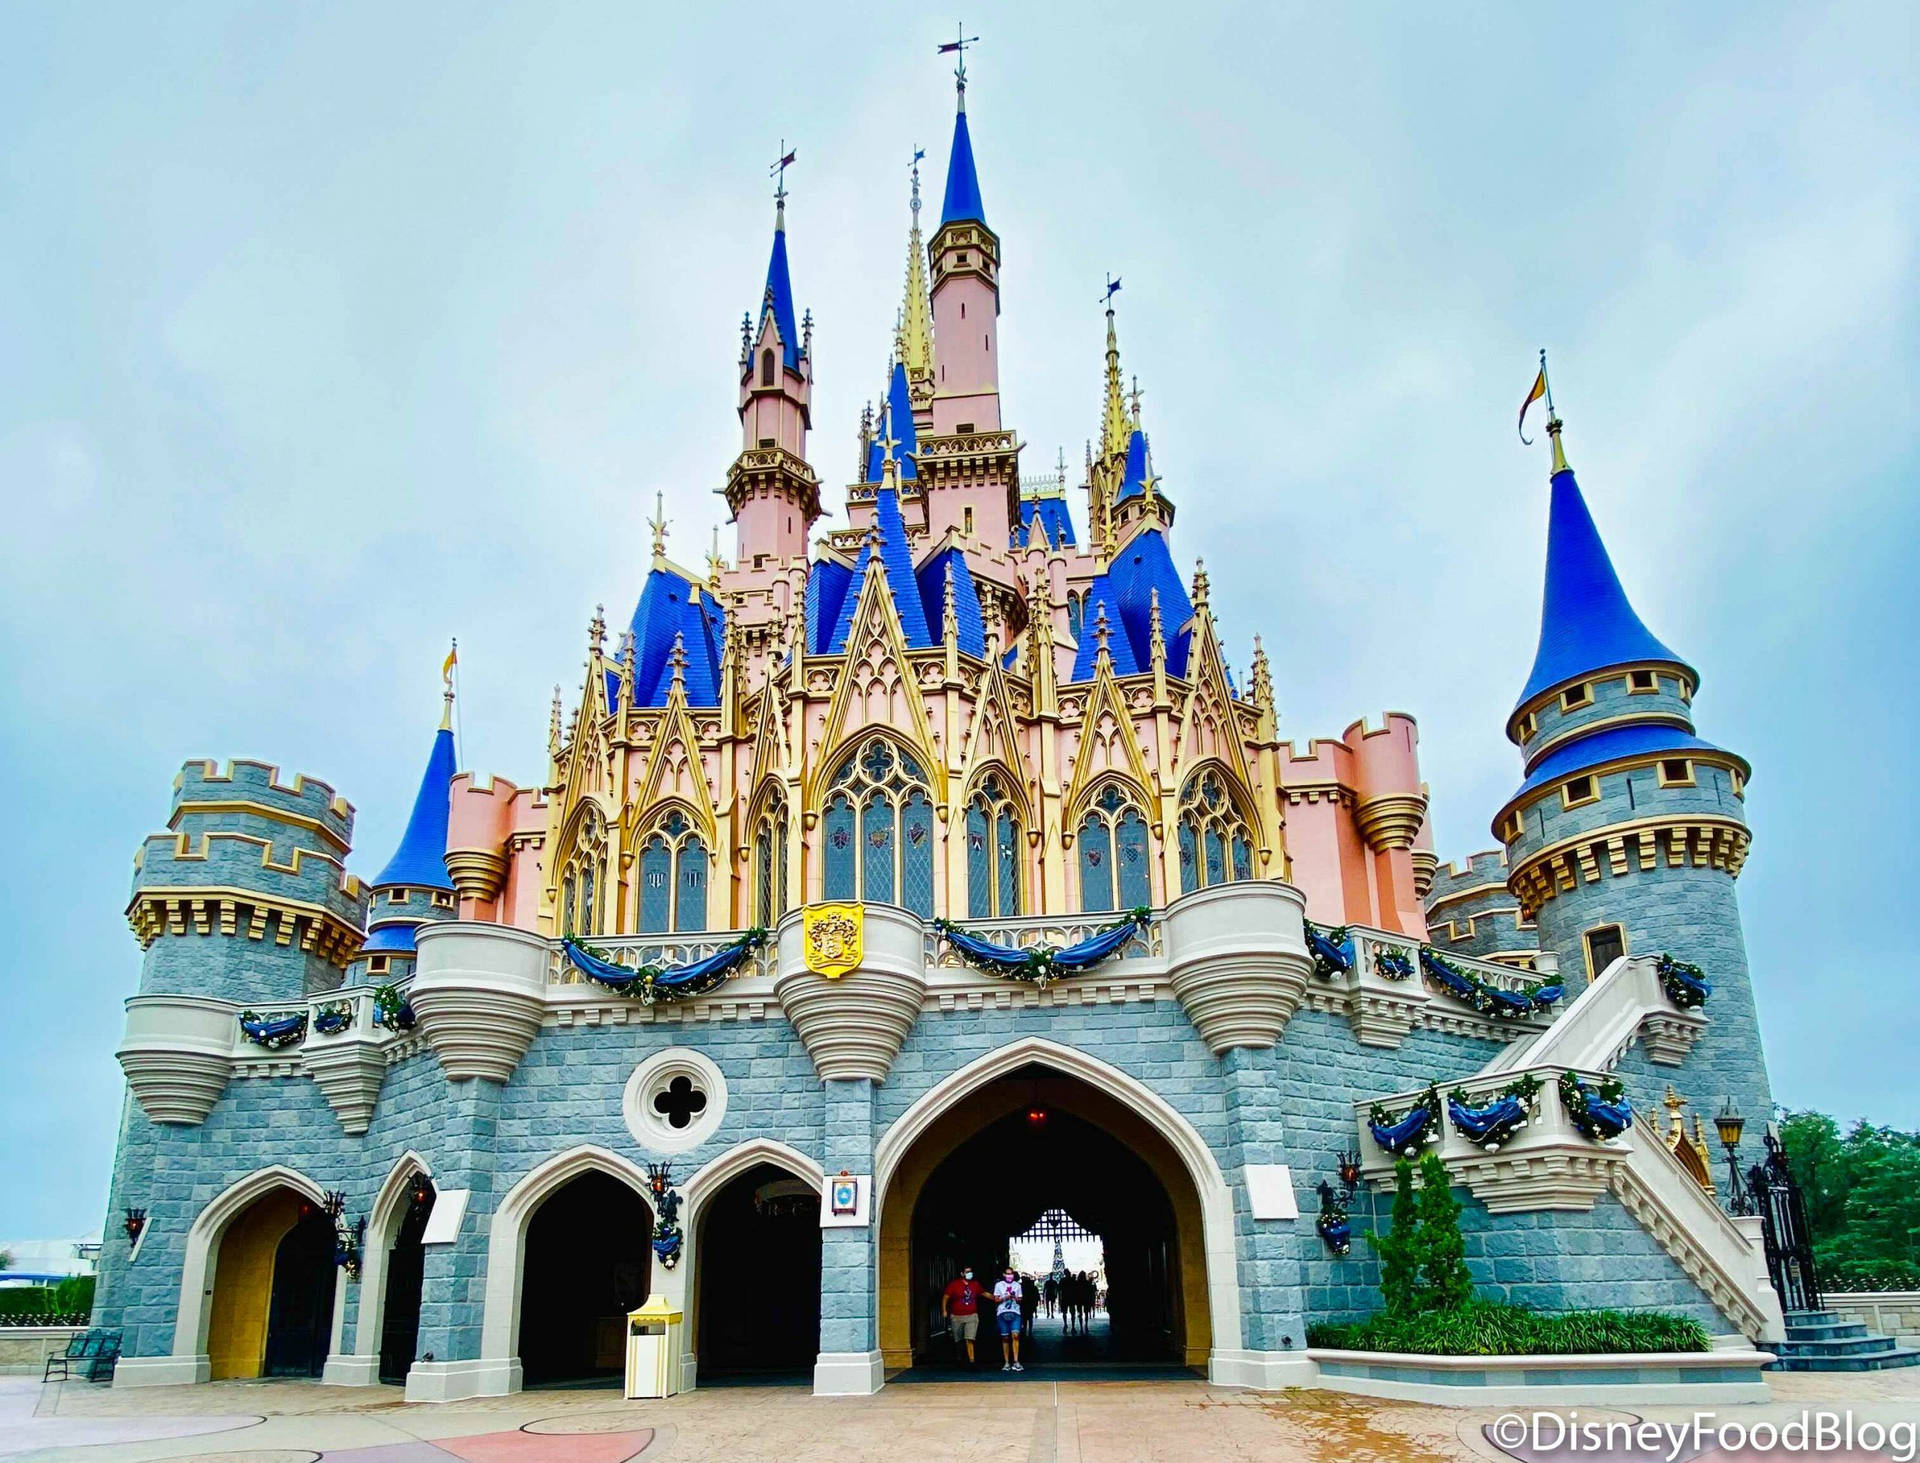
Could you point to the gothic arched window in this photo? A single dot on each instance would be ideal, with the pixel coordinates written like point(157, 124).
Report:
point(582, 877)
point(770, 862)
point(993, 851)
point(1215, 847)
point(766, 368)
point(1113, 854)
point(877, 830)
point(673, 878)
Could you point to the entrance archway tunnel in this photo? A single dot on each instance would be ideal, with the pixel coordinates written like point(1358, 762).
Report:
point(1007, 1152)
point(588, 1263)
point(274, 1280)
point(757, 1297)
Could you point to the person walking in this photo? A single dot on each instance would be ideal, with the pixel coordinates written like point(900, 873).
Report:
point(1051, 1291)
point(960, 1304)
point(1029, 1303)
point(1006, 1296)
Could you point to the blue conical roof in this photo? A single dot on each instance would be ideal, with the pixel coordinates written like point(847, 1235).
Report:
point(1586, 624)
point(896, 421)
point(963, 182)
point(421, 859)
point(778, 297)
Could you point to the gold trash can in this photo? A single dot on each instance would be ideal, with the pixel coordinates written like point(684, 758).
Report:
point(653, 1350)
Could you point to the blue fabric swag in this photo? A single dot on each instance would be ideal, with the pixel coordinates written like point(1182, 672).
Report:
point(1043, 963)
point(669, 982)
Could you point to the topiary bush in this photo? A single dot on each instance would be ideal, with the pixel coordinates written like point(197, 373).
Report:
point(1399, 1247)
point(1446, 1283)
point(1487, 1328)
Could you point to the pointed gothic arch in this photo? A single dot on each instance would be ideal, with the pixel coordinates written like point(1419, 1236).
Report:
point(678, 867)
point(583, 904)
point(1111, 825)
point(994, 816)
point(771, 884)
point(878, 830)
point(1216, 828)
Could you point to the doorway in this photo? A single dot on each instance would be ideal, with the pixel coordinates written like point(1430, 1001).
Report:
point(588, 1263)
point(758, 1290)
point(406, 1276)
point(274, 1278)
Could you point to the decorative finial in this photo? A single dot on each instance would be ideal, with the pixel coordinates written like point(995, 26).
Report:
point(950, 611)
point(806, 334)
point(626, 668)
point(658, 523)
point(714, 562)
point(597, 630)
point(1133, 401)
point(1262, 677)
point(958, 49)
point(553, 720)
point(746, 336)
point(1199, 584)
point(1061, 467)
point(778, 172)
point(446, 675)
point(1101, 631)
point(918, 153)
point(1156, 631)
point(678, 660)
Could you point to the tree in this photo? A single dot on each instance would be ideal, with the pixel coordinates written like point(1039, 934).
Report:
point(1862, 1197)
point(1448, 1284)
point(1398, 1248)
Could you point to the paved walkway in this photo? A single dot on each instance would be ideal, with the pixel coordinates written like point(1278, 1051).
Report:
point(987, 1421)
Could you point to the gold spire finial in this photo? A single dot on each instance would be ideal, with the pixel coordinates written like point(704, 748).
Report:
point(446, 675)
point(678, 660)
point(913, 335)
point(1543, 389)
point(714, 562)
point(597, 630)
point(1200, 584)
point(658, 523)
point(1101, 630)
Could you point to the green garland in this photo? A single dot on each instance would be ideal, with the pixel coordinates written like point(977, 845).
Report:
point(1337, 936)
point(1574, 1096)
point(1392, 962)
point(333, 1018)
point(1524, 1089)
point(1686, 985)
point(1379, 1118)
point(391, 1009)
point(644, 981)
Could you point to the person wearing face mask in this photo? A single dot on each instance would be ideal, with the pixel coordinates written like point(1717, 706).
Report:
point(960, 1304)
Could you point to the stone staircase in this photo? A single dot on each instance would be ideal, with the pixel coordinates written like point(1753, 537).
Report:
point(1820, 1341)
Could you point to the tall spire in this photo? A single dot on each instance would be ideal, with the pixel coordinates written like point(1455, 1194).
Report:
point(913, 340)
point(421, 859)
point(1586, 621)
point(962, 203)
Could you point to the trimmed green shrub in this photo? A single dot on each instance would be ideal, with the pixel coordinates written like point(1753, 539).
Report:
point(74, 1295)
point(1486, 1328)
point(1399, 1247)
point(1446, 1281)
point(27, 1300)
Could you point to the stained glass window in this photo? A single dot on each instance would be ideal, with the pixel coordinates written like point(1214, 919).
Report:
point(690, 903)
point(589, 911)
point(656, 886)
point(994, 874)
point(1130, 847)
point(979, 861)
point(674, 866)
point(763, 875)
point(1096, 864)
point(878, 830)
point(1215, 844)
point(770, 862)
point(566, 906)
point(1115, 870)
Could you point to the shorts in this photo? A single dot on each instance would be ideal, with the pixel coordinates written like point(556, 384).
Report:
point(1009, 1323)
point(964, 1328)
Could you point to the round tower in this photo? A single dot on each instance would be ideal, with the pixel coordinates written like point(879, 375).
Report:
point(246, 897)
point(414, 888)
point(1628, 831)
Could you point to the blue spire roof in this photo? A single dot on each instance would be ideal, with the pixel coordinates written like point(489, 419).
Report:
point(1139, 468)
point(1586, 624)
point(671, 605)
point(972, 636)
point(827, 582)
point(897, 556)
point(778, 296)
point(1127, 590)
point(421, 858)
point(963, 183)
point(896, 420)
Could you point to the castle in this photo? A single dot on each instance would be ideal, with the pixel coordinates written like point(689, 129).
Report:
point(445, 1127)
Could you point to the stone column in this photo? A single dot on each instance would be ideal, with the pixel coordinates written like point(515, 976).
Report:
point(853, 1028)
point(448, 1364)
point(1238, 961)
point(849, 1362)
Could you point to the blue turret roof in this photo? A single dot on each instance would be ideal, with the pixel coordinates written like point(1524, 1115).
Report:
point(963, 182)
point(972, 630)
point(1056, 523)
point(778, 297)
point(1139, 468)
point(421, 859)
point(1613, 744)
point(1586, 624)
point(673, 605)
point(1127, 589)
point(896, 555)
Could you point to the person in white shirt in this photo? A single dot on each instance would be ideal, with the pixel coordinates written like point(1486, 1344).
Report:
point(1006, 1298)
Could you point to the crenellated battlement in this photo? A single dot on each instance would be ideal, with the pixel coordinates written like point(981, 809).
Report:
point(251, 858)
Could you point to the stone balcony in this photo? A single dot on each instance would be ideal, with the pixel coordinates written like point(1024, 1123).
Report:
point(1384, 1005)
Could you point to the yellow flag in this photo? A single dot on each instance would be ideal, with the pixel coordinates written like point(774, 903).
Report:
point(453, 659)
point(1539, 390)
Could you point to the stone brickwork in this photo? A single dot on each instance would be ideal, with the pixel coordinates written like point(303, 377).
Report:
point(1470, 911)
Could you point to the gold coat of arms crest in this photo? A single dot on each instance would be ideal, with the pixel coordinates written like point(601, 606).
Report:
point(832, 934)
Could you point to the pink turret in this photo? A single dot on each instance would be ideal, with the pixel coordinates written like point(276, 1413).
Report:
point(965, 255)
point(772, 491)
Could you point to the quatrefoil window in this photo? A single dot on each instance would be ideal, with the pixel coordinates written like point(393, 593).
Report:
point(680, 1103)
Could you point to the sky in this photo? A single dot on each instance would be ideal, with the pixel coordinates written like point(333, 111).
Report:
point(328, 333)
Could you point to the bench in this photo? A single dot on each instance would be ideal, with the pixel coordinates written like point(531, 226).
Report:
point(90, 1355)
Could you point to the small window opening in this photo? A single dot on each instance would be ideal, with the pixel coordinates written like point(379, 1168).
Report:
point(1579, 790)
point(1605, 944)
point(766, 368)
point(1640, 682)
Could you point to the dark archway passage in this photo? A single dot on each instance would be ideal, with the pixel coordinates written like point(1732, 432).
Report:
point(1040, 1145)
point(588, 1263)
point(759, 1283)
point(406, 1270)
point(300, 1315)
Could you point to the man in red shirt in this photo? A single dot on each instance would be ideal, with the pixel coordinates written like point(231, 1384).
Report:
point(960, 1304)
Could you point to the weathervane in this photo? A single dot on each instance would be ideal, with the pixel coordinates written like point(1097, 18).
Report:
point(957, 47)
point(778, 172)
point(918, 153)
point(1113, 288)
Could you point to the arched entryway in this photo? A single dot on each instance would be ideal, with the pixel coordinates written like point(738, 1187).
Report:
point(757, 1296)
point(406, 1261)
point(1042, 1144)
point(587, 1262)
point(1023, 1140)
point(270, 1312)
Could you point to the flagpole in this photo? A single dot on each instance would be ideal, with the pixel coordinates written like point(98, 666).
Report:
point(1548, 380)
